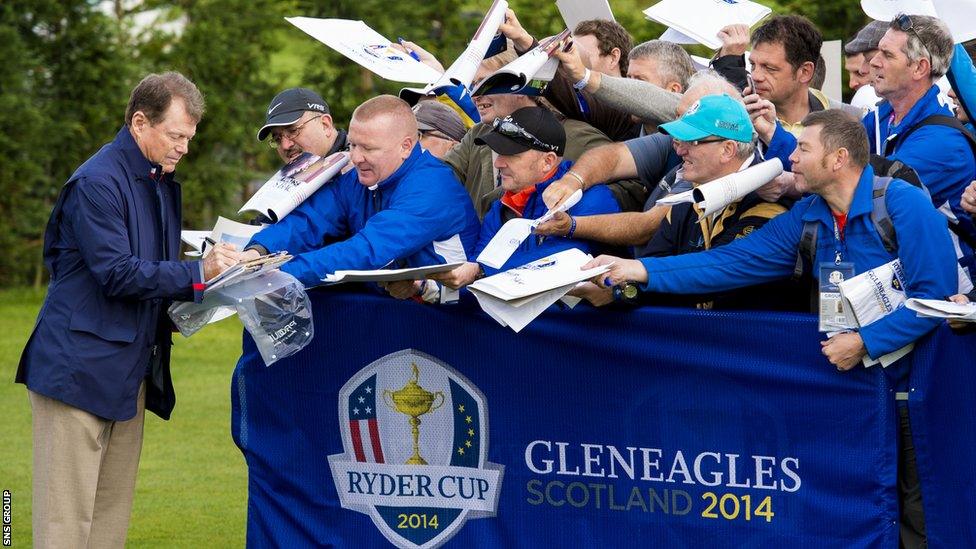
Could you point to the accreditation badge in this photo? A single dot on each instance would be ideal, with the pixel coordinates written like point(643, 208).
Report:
point(833, 314)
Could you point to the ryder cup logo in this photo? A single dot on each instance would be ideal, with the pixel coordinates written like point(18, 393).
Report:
point(415, 435)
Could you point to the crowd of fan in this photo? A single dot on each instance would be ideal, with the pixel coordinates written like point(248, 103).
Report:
point(630, 125)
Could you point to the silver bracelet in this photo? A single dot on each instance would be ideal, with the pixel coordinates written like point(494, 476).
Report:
point(578, 177)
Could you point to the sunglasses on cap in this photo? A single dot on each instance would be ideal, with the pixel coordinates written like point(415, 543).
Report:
point(509, 128)
point(905, 24)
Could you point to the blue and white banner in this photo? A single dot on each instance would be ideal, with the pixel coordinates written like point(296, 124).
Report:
point(410, 425)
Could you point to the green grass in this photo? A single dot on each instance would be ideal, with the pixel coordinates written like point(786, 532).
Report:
point(192, 486)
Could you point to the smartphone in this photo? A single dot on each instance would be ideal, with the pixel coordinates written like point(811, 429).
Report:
point(751, 82)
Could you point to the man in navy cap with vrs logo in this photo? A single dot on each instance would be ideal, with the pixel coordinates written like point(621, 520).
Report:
point(299, 121)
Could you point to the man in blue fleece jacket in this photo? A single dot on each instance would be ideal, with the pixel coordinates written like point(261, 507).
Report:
point(399, 207)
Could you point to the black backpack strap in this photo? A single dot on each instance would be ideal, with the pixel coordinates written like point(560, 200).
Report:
point(806, 251)
point(879, 214)
point(942, 120)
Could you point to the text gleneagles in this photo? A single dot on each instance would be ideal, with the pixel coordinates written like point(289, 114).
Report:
point(657, 465)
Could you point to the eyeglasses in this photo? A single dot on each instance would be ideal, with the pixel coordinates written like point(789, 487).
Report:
point(905, 24)
point(679, 143)
point(290, 133)
point(435, 134)
point(509, 128)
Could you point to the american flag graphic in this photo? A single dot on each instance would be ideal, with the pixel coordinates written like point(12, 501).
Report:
point(364, 431)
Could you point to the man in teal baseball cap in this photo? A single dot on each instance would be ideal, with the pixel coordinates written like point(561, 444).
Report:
point(714, 138)
point(712, 116)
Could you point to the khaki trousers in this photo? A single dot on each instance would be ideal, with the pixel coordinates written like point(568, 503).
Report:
point(84, 474)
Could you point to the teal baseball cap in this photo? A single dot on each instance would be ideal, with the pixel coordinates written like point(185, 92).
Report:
point(718, 115)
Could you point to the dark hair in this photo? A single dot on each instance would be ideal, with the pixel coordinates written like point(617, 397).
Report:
point(799, 37)
point(609, 35)
point(155, 92)
point(840, 130)
point(819, 74)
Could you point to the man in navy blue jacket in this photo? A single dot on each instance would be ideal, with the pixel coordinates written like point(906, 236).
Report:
point(99, 353)
point(831, 163)
point(399, 207)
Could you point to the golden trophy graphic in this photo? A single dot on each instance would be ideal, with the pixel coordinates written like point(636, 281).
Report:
point(414, 401)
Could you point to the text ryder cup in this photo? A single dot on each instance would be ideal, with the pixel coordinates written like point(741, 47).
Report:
point(410, 485)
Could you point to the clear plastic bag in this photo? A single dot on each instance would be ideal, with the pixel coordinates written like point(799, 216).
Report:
point(272, 305)
point(276, 311)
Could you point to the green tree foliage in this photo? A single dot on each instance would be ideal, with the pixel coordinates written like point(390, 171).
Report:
point(224, 49)
point(63, 90)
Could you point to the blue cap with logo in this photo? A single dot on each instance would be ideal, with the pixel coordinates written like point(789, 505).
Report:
point(717, 115)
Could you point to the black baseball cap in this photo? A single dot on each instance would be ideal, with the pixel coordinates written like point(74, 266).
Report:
point(288, 106)
point(527, 128)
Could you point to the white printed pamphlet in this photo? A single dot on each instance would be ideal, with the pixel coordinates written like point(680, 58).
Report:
point(390, 275)
point(516, 297)
point(873, 295)
point(515, 231)
point(575, 11)
point(717, 194)
point(702, 19)
point(365, 46)
point(939, 308)
point(293, 184)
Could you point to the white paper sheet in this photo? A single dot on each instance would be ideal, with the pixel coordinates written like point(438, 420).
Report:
point(536, 65)
point(464, 68)
point(528, 309)
point(365, 46)
point(539, 276)
point(225, 230)
point(677, 198)
point(833, 59)
point(390, 275)
point(515, 231)
point(715, 195)
point(678, 37)
point(194, 239)
point(508, 238)
point(574, 11)
point(938, 308)
point(702, 19)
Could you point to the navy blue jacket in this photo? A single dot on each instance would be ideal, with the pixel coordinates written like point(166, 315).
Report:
point(419, 215)
point(112, 277)
point(924, 248)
